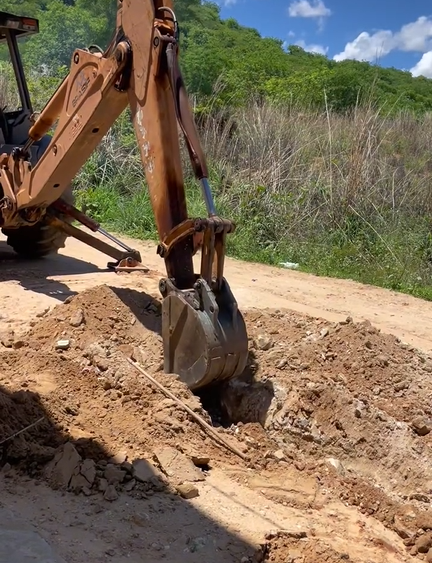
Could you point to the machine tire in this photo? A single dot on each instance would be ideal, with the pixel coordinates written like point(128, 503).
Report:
point(41, 239)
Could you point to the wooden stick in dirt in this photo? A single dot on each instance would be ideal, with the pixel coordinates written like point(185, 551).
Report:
point(194, 415)
point(22, 430)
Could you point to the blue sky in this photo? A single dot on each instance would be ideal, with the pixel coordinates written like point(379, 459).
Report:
point(389, 32)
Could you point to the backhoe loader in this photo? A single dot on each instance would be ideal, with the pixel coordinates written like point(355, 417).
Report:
point(203, 332)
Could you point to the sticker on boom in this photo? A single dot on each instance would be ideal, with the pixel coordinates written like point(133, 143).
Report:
point(29, 25)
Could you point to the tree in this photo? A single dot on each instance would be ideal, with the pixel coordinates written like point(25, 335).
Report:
point(222, 61)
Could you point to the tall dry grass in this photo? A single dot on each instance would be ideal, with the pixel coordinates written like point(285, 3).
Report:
point(321, 169)
point(343, 195)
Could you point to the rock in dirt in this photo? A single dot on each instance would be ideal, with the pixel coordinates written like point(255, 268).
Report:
point(64, 466)
point(429, 556)
point(200, 460)
point(294, 534)
point(359, 409)
point(336, 464)
point(68, 470)
point(177, 466)
point(119, 458)
point(424, 521)
point(110, 493)
point(420, 497)
point(424, 543)
point(101, 363)
point(88, 470)
point(6, 468)
point(263, 342)
point(130, 485)
point(279, 455)
point(421, 426)
point(102, 485)
point(401, 386)
point(84, 476)
point(187, 490)
point(7, 339)
point(114, 474)
point(127, 466)
point(401, 529)
point(42, 313)
point(77, 318)
point(144, 471)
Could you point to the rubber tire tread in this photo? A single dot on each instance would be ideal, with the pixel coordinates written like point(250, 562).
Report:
point(39, 240)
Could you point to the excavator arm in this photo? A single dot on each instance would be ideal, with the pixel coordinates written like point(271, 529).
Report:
point(203, 331)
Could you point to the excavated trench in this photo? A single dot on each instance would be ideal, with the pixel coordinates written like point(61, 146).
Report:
point(242, 400)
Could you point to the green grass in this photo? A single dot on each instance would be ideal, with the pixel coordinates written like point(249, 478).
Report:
point(342, 196)
point(397, 260)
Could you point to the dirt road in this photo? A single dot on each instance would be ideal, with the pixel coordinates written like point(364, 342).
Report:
point(333, 416)
point(28, 288)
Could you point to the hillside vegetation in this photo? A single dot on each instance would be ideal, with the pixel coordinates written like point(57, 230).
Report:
point(323, 163)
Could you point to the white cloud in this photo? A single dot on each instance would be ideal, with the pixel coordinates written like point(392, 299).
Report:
point(424, 66)
point(412, 37)
point(319, 49)
point(367, 47)
point(416, 36)
point(306, 9)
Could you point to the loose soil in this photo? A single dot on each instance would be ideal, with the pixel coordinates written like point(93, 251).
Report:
point(333, 415)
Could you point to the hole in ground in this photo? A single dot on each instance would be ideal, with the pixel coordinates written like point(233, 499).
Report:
point(243, 399)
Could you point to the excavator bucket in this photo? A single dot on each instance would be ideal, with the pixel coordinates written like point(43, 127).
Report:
point(204, 334)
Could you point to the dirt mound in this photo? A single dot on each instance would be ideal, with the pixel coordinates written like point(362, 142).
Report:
point(19, 410)
point(74, 360)
point(283, 547)
point(346, 389)
point(347, 404)
point(106, 317)
point(344, 406)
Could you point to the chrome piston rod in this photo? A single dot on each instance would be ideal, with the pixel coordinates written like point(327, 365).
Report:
point(208, 197)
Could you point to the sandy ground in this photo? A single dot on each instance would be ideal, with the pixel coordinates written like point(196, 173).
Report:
point(335, 472)
point(79, 267)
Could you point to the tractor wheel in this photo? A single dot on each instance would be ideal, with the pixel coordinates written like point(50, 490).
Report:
point(39, 240)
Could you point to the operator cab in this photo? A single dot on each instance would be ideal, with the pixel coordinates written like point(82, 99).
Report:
point(15, 122)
